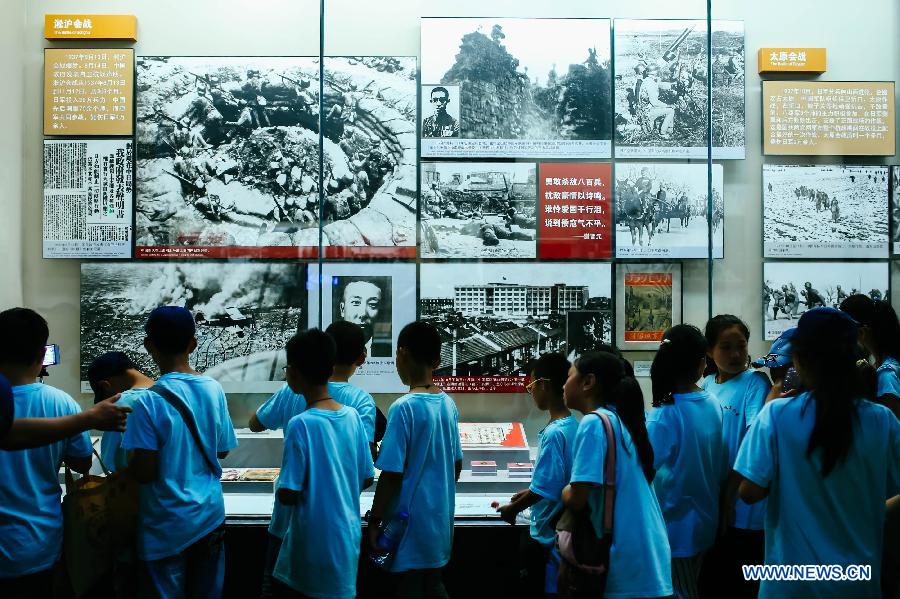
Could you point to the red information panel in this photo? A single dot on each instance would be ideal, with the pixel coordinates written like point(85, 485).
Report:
point(575, 215)
point(643, 292)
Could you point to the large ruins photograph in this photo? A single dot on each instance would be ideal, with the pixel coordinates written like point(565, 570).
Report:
point(516, 98)
point(662, 89)
point(478, 210)
point(245, 313)
point(228, 161)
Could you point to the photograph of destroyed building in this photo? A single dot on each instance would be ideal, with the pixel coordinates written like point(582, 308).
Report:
point(478, 210)
point(516, 97)
point(662, 88)
point(505, 314)
point(227, 155)
point(245, 313)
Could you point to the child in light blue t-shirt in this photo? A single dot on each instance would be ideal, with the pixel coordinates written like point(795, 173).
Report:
point(327, 464)
point(420, 462)
point(685, 430)
point(880, 335)
point(552, 469)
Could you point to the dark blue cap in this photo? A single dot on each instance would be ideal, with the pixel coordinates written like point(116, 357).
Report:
point(780, 354)
point(108, 365)
point(170, 328)
point(827, 324)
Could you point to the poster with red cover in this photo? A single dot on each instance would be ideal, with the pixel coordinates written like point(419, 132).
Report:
point(575, 210)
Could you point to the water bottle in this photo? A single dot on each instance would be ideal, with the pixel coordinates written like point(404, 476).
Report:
point(389, 539)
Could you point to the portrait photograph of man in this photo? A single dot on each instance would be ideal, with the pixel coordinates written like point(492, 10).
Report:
point(365, 301)
point(444, 118)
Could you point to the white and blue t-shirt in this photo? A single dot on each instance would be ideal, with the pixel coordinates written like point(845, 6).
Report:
point(326, 460)
point(741, 398)
point(640, 563)
point(111, 452)
point(422, 442)
point(827, 520)
point(552, 471)
point(31, 521)
point(691, 464)
point(185, 502)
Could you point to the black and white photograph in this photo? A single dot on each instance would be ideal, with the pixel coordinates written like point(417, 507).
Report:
point(380, 298)
point(792, 288)
point(661, 210)
point(494, 318)
point(478, 210)
point(895, 208)
point(662, 89)
point(441, 118)
point(825, 211)
point(526, 88)
point(227, 154)
point(586, 330)
point(245, 313)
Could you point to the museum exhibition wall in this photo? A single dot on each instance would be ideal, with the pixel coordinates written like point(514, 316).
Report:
point(468, 181)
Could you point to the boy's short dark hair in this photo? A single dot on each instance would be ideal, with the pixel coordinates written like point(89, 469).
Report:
point(312, 354)
point(170, 329)
point(423, 342)
point(349, 340)
point(24, 333)
point(110, 364)
point(554, 367)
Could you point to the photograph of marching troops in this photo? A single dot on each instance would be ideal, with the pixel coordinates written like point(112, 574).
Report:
point(227, 147)
point(661, 89)
point(661, 210)
point(826, 211)
point(792, 288)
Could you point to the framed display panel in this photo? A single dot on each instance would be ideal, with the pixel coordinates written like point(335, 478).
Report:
point(828, 118)
point(228, 157)
point(575, 217)
point(489, 90)
point(661, 210)
point(494, 318)
point(825, 211)
point(478, 210)
point(792, 288)
point(662, 88)
point(245, 314)
point(648, 301)
point(379, 297)
point(895, 209)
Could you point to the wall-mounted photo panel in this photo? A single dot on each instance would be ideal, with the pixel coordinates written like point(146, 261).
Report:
point(661, 210)
point(491, 90)
point(826, 211)
point(478, 210)
point(494, 318)
point(575, 215)
point(662, 90)
point(895, 209)
point(245, 313)
point(648, 301)
point(792, 288)
point(380, 298)
point(227, 157)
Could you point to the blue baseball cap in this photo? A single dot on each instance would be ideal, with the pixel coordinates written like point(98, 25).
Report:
point(170, 328)
point(827, 324)
point(781, 352)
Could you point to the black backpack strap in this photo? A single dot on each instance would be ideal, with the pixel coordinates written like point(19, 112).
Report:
point(181, 407)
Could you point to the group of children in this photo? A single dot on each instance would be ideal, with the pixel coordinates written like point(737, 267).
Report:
point(726, 470)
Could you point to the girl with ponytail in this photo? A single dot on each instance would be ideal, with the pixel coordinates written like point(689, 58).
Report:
point(685, 430)
point(639, 563)
point(826, 459)
point(879, 334)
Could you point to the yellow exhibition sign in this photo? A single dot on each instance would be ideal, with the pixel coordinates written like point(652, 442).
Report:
point(791, 60)
point(90, 27)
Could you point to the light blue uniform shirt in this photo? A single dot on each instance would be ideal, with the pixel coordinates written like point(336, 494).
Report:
point(813, 519)
point(552, 471)
point(185, 502)
point(640, 564)
point(359, 400)
point(111, 452)
point(422, 442)
point(278, 410)
point(326, 460)
point(888, 378)
point(690, 462)
point(31, 522)
point(741, 398)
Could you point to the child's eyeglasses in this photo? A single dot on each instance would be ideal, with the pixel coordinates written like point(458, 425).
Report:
point(529, 388)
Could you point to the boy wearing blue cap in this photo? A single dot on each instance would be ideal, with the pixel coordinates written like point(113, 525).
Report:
point(177, 431)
